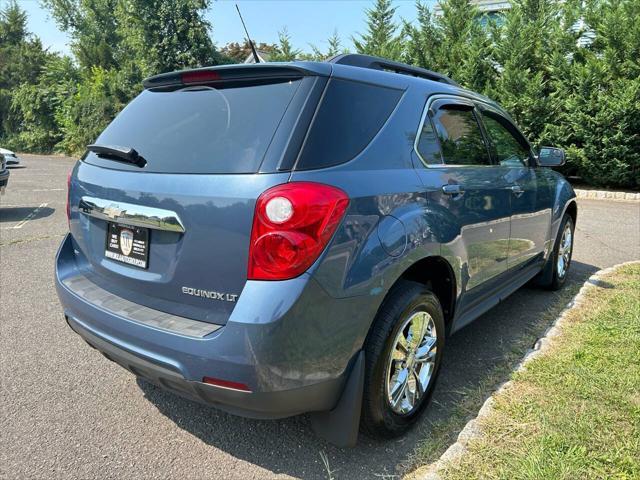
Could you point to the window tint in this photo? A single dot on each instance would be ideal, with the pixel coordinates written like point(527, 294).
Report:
point(508, 150)
point(200, 130)
point(350, 115)
point(428, 146)
point(460, 136)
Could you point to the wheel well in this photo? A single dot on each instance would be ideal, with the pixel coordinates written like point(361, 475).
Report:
point(437, 274)
point(572, 211)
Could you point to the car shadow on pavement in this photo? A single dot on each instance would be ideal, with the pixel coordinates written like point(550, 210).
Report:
point(478, 359)
point(18, 214)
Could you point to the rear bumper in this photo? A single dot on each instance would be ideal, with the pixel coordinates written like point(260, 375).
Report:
point(279, 404)
point(291, 344)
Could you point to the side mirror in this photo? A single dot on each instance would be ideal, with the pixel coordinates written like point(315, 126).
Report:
point(551, 157)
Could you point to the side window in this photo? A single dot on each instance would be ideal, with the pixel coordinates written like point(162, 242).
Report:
point(460, 137)
point(350, 115)
point(428, 146)
point(509, 150)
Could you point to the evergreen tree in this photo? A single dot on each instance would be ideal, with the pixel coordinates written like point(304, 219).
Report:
point(381, 39)
point(424, 41)
point(284, 50)
point(334, 48)
point(526, 47)
point(465, 48)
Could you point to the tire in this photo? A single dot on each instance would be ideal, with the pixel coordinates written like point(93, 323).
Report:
point(407, 302)
point(553, 277)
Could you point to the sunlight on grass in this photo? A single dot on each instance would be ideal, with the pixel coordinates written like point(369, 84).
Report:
point(441, 434)
point(574, 412)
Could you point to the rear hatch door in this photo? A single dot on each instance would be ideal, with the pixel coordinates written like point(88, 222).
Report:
point(173, 235)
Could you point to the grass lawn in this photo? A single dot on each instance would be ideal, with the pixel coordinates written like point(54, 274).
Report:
point(573, 413)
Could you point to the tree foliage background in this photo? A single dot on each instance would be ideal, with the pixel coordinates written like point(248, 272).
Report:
point(568, 71)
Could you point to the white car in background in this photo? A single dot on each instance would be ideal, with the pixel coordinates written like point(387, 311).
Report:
point(10, 157)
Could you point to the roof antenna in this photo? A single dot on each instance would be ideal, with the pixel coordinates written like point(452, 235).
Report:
point(253, 48)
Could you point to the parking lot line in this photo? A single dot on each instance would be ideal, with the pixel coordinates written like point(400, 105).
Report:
point(29, 217)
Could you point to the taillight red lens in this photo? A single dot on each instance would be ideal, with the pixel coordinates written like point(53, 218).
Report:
point(292, 225)
point(68, 193)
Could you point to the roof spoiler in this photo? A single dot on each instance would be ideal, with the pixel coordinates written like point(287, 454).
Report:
point(379, 63)
point(225, 73)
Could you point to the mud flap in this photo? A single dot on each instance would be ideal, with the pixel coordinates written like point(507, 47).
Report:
point(340, 426)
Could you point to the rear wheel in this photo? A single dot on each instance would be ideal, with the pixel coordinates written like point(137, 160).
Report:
point(403, 353)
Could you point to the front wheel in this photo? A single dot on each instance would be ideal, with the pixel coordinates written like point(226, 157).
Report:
point(560, 258)
point(403, 353)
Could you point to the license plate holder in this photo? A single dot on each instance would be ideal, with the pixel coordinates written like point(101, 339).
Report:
point(127, 244)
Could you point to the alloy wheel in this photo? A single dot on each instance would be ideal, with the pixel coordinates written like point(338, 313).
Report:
point(564, 251)
point(411, 362)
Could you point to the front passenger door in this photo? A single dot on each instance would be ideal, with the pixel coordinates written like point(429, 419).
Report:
point(530, 199)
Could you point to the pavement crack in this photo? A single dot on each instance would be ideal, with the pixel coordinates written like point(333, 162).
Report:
point(31, 239)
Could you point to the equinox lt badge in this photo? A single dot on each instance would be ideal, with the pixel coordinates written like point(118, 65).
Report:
point(210, 294)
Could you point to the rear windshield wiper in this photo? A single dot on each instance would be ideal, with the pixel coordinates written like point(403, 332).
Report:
point(119, 154)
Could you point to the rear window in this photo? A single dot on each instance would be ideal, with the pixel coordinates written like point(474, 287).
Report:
point(199, 129)
point(349, 117)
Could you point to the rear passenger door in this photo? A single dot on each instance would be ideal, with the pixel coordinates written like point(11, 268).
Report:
point(467, 188)
point(530, 199)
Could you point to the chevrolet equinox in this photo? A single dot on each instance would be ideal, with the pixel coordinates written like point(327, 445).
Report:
point(288, 238)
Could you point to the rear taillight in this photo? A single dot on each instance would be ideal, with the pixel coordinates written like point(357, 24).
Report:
point(68, 194)
point(292, 225)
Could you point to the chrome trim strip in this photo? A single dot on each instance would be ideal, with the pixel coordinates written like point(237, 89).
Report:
point(137, 215)
point(107, 301)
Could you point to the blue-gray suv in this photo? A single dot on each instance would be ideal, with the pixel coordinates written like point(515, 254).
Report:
point(278, 239)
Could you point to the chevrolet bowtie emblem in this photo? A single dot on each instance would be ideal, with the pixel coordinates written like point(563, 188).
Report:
point(112, 211)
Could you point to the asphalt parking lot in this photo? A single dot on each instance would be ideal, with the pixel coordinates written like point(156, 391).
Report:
point(67, 412)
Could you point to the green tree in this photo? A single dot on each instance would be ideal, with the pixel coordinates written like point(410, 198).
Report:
point(93, 26)
point(334, 44)
point(465, 48)
point(424, 40)
point(381, 38)
point(598, 95)
point(34, 105)
point(144, 36)
point(285, 52)
point(99, 96)
point(238, 52)
point(22, 59)
point(527, 48)
point(166, 35)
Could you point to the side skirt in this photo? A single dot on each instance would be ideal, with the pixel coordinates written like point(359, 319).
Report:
point(502, 288)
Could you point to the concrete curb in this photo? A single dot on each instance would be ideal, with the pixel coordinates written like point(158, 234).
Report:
point(607, 195)
point(472, 429)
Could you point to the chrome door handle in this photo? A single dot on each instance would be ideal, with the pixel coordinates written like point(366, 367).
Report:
point(516, 190)
point(452, 189)
point(137, 215)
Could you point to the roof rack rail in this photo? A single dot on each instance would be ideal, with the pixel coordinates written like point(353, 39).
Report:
point(378, 63)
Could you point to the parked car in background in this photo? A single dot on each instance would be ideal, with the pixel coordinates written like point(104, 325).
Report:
point(277, 239)
point(4, 174)
point(10, 157)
